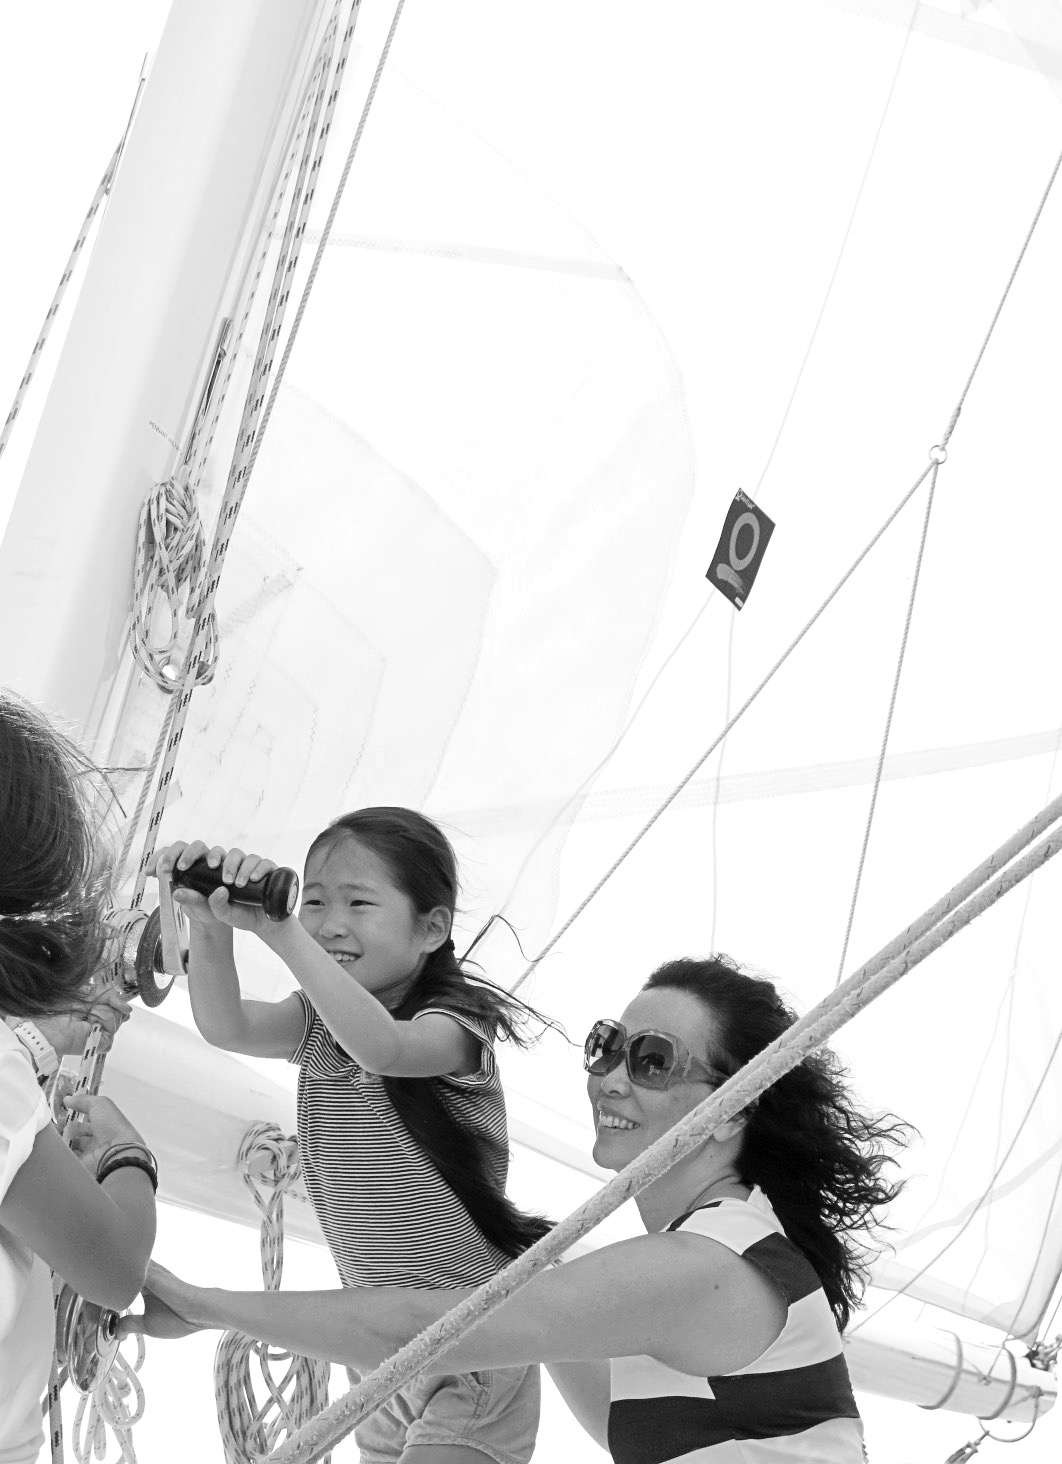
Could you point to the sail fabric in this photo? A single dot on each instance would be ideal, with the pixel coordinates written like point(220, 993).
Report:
point(597, 269)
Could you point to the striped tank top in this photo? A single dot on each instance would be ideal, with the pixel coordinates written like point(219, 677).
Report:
point(386, 1213)
point(793, 1404)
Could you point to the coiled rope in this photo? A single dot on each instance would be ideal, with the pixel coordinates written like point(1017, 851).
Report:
point(269, 1164)
point(116, 1405)
point(170, 554)
point(986, 884)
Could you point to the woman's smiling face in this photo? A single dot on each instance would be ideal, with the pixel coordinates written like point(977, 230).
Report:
point(627, 1117)
point(355, 911)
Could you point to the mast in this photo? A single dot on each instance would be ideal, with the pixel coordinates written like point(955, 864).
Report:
point(186, 210)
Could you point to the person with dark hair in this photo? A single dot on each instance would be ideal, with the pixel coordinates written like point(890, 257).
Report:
point(53, 1213)
point(401, 1116)
point(716, 1337)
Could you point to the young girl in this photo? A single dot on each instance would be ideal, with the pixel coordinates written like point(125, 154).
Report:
point(401, 1115)
point(53, 1213)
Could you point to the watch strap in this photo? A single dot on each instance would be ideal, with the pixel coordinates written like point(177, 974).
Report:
point(42, 1054)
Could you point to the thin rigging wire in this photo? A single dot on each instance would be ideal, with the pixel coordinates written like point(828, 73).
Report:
point(689, 776)
point(976, 1209)
point(888, 723)
point(718, 781)
point(844, 245)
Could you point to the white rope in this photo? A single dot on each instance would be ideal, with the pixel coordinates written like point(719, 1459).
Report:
point(170, 552)
point(269, 1164)
point(116, 1405)
point(962, 904)
point(57, 299)
point(37, 353)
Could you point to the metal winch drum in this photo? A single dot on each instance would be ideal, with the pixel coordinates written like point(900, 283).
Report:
point(86, 1339)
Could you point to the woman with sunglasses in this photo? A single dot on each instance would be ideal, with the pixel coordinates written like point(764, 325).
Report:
point(713, 1338)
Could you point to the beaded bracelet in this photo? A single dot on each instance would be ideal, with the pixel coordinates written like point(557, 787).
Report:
point(128, 1156)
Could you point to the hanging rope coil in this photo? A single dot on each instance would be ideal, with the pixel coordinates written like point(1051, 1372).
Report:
point(269, 1163)
point(170, 555)
point(115, 1406)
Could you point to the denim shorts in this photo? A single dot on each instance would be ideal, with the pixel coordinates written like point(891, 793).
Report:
point(495, 1412)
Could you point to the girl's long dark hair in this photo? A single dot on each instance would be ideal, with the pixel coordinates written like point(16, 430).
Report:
point(52, 888)
point(817, 1157)
point(422, 863)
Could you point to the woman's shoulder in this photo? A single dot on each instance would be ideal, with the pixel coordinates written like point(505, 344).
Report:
point(736, 1221)
point(752, 1230)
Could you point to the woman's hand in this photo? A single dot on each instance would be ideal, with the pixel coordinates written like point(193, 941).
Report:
point(235, 867)
point(68, 1031)
point(101, 1124)
point(166, 1297)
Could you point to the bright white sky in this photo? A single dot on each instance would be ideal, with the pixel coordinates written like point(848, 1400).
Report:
point(68, 75)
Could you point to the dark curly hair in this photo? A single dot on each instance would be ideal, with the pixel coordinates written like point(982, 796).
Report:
point(53, 885)
point(422, 864)
point(817, 1157)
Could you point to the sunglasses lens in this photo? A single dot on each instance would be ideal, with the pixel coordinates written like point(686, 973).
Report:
point(603, 1048)
point(652, 1060)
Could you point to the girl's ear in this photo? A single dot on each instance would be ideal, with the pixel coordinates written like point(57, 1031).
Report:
point(437, 924)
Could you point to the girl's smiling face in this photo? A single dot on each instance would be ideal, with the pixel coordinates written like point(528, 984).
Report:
point(355, 911)
point(628, 1118)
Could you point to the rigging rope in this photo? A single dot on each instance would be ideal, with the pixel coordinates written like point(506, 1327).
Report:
point(879, 770)
point(269, 1163)
point(997, 874)
point(695, 769)
point(37, 353)
point(840, 253)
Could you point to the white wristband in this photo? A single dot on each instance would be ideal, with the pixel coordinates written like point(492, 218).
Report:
point(42, 1054)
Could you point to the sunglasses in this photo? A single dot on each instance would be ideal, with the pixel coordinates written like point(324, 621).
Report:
point(654, 1059)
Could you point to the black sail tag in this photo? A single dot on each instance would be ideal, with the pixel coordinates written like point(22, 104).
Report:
point(742, 544)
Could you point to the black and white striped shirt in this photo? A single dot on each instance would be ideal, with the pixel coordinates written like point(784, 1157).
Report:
point(388, 1216)
point(794, 1403)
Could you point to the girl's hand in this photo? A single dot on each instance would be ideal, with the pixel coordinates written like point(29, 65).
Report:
point(180, 856)
point(235, 868)
point(166, 1297)
point(101, 1125)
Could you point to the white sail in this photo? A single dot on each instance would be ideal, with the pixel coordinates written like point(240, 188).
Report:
point(574, 300)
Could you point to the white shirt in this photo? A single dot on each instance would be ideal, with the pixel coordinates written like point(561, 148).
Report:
point(27, 1326)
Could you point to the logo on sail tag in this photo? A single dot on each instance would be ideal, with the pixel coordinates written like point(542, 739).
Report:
point(741, 547)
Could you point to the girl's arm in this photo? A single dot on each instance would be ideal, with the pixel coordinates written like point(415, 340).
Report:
point(97, 1237)
point(223, 1016)
point(685, 1300)
point(362, 1026)
point(431, 1045)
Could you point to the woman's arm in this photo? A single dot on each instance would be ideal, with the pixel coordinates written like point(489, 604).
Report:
point(586, 1388)
point(685, 1300)
point(97, 1237)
